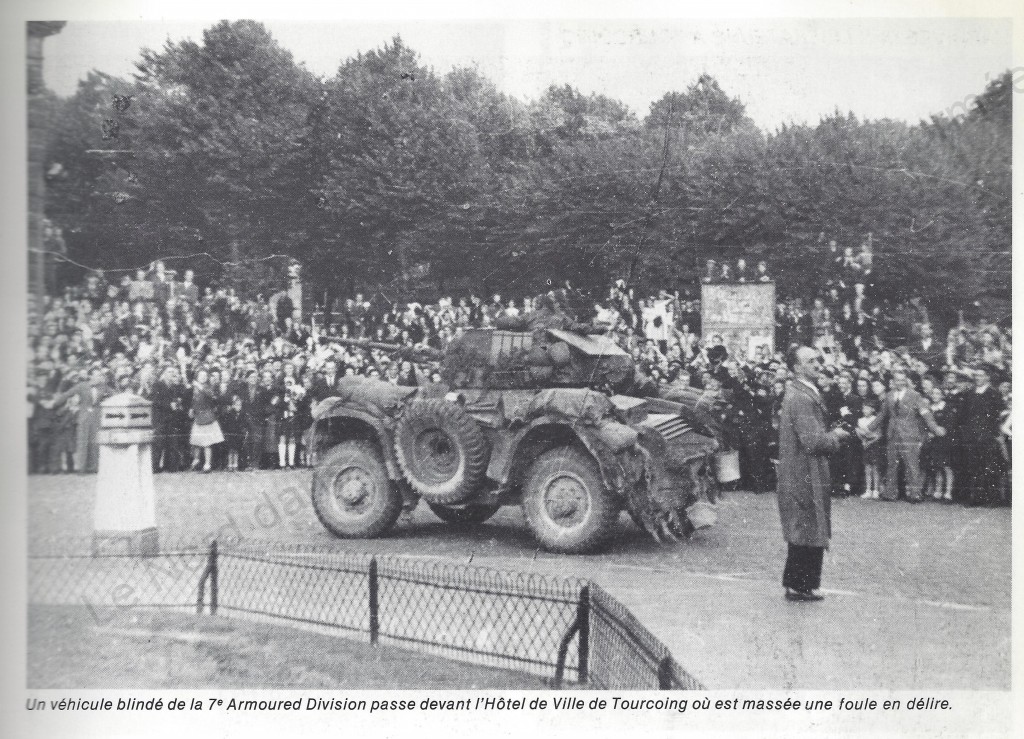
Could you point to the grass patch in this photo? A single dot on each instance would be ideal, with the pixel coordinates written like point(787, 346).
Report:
point(72, 647)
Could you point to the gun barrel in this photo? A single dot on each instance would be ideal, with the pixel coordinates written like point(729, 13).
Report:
point(428, 352)
point(367, 344)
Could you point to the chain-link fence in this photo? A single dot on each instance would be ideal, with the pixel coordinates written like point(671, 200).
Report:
point(170, 580)
point(560, 628)
point(625, 655)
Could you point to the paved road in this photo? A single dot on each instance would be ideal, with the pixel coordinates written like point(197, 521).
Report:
point(918, 596)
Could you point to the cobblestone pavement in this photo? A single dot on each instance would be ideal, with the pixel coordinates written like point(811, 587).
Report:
point(918, 596)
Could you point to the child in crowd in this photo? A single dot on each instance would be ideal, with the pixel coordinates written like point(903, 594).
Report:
point(288, 431)
point(873, 452)
point(935, 455)
point(233, 426)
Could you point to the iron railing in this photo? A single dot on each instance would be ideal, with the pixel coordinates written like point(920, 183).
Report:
point(626, 655)
point(564, 629)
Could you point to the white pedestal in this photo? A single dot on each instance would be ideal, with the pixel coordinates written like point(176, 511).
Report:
point(124, 521)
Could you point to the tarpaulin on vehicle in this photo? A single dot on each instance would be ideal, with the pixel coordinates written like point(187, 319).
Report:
point(573, 405)
point(617, 436)
point(366, 393)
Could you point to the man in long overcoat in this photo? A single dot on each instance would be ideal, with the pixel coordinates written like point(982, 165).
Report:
point(170, 422)
point(804, 482)
point(252, 417)
point(979, 430)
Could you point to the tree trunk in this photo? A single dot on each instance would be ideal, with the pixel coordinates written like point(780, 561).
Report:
point(235, 259)
point(403, 263)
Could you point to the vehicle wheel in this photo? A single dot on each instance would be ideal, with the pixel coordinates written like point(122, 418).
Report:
point(441, 450)
point(352, 495)
point(467, 514)
point(566, 503)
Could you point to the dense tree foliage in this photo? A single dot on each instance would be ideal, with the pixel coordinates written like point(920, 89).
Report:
point(389, 175)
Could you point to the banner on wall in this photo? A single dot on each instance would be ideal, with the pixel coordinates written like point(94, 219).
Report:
point(742, 314)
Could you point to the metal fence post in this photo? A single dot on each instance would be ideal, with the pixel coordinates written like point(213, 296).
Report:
point(580, 625)
point(200, 591)
point(583, 614)
point(209, 576)
point(213, 578)
point(374, 605)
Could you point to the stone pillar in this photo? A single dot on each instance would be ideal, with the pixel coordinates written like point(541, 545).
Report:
point(38, 122)
point(124, 520)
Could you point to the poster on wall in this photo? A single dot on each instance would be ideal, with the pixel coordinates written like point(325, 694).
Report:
point(741, 314)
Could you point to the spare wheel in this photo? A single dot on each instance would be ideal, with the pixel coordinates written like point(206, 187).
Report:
point(441, 450)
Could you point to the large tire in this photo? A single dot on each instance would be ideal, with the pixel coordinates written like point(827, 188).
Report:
point(352, 495)
point(441, 451)
point(471, 513)
point(566, 503)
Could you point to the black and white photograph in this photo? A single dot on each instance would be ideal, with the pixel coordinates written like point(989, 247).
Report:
point(474, 357)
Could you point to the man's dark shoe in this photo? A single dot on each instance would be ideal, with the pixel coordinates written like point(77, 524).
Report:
point(803, 595)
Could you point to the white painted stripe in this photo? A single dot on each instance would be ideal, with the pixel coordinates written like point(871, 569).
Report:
point(834, 591)
point(739, 577)
point(735, 577)
point(953, 606)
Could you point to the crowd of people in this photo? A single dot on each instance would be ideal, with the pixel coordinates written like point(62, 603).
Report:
point(232, 380)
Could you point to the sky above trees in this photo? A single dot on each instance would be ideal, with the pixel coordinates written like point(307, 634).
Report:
point(783, 70)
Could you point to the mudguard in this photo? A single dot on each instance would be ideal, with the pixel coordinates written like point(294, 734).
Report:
point(510, 459)
point(381, 426)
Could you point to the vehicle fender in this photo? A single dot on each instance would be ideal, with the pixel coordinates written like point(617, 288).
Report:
point(512, 455)
point(359, 424)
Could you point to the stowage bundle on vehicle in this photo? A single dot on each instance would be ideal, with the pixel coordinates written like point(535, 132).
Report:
point(575, 405)
point(374, 396)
